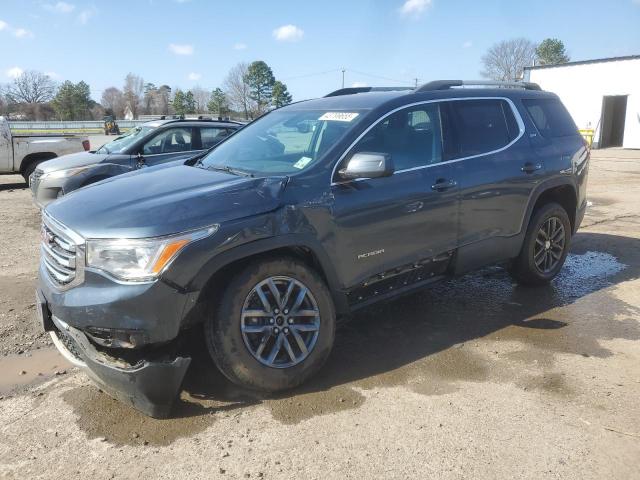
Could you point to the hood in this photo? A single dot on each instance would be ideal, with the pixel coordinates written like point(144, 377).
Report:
point(71, 161)
point(155, 202)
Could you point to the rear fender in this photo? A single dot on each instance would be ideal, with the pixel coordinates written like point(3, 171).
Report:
point(542, 188)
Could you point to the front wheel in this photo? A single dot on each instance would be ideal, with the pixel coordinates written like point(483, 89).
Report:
point(545, 246)
point(273, 327)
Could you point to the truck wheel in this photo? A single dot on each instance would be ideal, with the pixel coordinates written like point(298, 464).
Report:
point(273, 326)
point(29, 170)
point(545, 246)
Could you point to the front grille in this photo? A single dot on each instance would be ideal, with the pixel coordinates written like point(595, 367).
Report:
point(60, 254)
point(34, 180)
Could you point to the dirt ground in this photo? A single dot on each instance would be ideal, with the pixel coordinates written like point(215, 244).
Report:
point(474, 378)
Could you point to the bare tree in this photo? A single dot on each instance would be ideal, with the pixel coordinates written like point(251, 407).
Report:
point(113, 100)
point(237, 89)
point(31, 87)
point(133, 92)
point(4, 107)
point(505, 61)
point(201, 97)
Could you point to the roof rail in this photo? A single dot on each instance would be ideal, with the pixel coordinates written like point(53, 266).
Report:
point(447, 84)
point(352, 90)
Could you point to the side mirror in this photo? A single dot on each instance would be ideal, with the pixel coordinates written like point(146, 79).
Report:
point(303, 127)
point(368, 165)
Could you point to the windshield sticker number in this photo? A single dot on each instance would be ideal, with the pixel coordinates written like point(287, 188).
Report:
point(338, 116)
point(300, 164)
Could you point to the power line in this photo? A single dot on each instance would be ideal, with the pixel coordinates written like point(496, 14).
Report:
point(404, 82)
point(312, 74)
point(345, 70)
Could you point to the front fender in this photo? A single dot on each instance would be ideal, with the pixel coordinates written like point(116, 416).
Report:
point(94, 174)
point(195, 266)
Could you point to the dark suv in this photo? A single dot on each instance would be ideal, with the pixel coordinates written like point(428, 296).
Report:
point(149, 144)
point(313, 211)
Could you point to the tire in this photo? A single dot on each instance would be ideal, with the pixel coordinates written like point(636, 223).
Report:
point(29, 170)
point(233, 340)
point(32, 166)
point(540, 261)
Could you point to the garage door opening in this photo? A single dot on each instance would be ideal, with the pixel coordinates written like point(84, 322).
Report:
point(614, 111)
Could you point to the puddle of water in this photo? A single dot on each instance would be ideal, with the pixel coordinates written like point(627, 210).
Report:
point(292, 409)
point(101, 416)
point(549, 382)
point(591, 264)
point(17, 371)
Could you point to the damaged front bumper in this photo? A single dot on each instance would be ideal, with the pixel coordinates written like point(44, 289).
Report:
point(150, 386)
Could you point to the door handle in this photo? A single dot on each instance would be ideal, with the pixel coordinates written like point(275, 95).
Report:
point(530, 167)
point(443, 184)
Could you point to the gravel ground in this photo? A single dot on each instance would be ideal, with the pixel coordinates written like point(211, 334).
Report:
point(474, 378)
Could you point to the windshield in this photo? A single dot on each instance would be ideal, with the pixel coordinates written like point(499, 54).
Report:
point(126, 140)
point(282, 142)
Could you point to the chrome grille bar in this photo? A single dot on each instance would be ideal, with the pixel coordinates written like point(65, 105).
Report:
point(34, 180)
point(62, 254)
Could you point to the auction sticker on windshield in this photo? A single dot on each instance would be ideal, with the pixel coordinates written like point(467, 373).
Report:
point(338, 116)
point(300, 164)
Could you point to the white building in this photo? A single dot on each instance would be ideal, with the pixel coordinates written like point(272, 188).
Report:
point(603, 95)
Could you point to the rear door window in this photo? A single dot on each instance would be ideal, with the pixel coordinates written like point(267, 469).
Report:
point(476, 127)
point(172, 140)
point(211, 136)
point(550, 117)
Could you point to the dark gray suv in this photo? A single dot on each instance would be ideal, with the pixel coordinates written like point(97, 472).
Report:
point(147, 145)
point(313, 211)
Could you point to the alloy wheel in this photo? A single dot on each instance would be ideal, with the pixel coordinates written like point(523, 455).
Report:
point(280, 322)
point(549, 247)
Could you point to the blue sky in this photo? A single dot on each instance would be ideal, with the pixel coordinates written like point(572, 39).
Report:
point(184, 43)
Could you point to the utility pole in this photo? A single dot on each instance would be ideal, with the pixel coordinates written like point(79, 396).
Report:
point(416, 82)
point(343, 70)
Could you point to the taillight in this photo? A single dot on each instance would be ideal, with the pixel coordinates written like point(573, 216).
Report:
point(86, 145)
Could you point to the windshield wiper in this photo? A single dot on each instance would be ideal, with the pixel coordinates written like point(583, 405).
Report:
point(231, 170)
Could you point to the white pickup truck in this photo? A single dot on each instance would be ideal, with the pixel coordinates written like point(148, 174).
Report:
point(22, 153)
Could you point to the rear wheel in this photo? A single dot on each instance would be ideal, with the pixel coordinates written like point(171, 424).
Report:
point(29, 170)
point(31, 167)
point(545, 247)
point(273, 327)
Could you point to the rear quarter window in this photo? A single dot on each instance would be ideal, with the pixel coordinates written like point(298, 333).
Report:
point(550, 117)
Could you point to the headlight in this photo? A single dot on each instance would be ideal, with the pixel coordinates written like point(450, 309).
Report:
point(69, 172)
point(140, 259)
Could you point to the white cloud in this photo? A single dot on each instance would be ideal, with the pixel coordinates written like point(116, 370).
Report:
point(14, 72)
point(194, 77)
point(288, 33)
point(359, 84)
point(181, 49)
point(16, 32)
point(415, 8)
point(22, 33)
point(240, 46)
point(467, 44)
point(61, 7)
point(86, 15)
